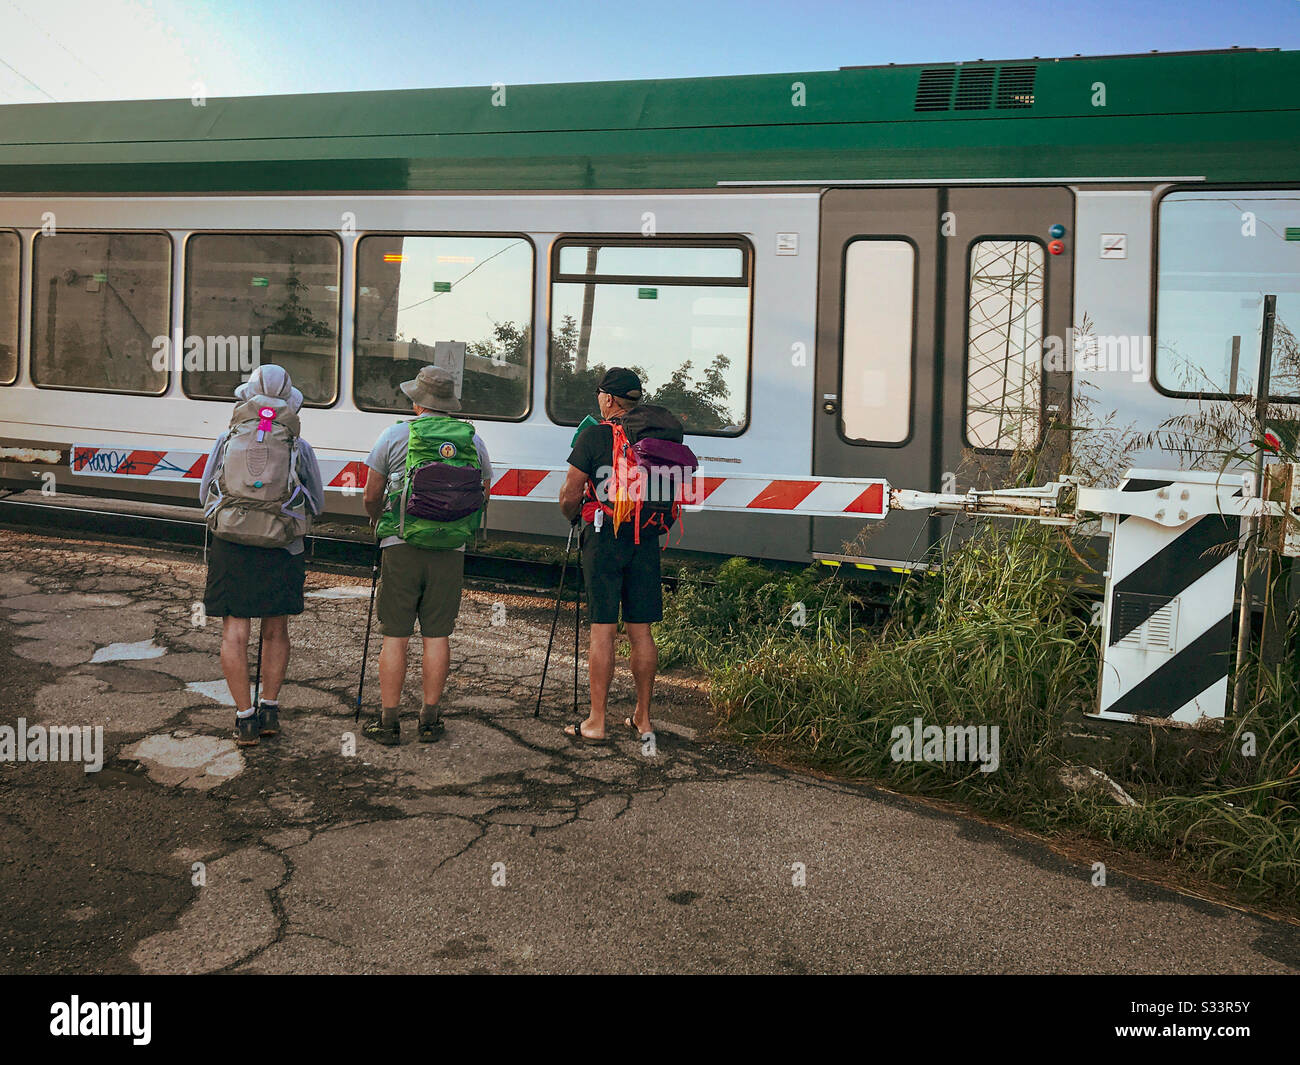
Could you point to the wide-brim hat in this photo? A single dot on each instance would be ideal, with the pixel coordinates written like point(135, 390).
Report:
point(273, 382)
point(433, 389)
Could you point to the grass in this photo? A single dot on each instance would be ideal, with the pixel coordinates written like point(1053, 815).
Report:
point(999, 634)
point(716, 618)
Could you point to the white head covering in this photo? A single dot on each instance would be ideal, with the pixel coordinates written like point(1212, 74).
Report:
point(273, 382)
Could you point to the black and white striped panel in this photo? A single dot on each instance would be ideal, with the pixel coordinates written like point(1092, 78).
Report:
point(1168, 622)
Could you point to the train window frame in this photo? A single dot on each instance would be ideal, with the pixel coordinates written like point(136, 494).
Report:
point(898, 238)
point(171, 312)
point(1032, 238)
point(185, 304)
point(746, 280)
point(532, 313)
point(20, 332)
point(1157, 202)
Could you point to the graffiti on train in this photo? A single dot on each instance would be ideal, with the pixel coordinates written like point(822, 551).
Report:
point(123, 463)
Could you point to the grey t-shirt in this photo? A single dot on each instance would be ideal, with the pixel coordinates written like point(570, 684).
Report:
point(388, 459)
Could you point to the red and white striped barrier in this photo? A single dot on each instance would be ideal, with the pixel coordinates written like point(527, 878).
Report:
point(741, 493)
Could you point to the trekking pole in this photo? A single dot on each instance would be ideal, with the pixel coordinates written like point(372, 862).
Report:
point(577, 615)
point(555, 618)
point(257, 679)
point(365, 650)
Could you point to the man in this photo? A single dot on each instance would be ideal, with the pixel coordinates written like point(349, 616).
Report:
point(246, 581)
point(619, 571)
point(416, 582)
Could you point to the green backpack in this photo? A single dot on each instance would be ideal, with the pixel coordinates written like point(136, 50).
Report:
point(439, 502)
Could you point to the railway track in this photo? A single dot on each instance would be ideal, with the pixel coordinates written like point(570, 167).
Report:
point(153, 524)
point(328, 553)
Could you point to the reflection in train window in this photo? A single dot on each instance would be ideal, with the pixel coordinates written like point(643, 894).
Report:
point(10, 256)
point(1221, 252)
point(876, 369)
point(461, 302)
point(258, 298)
point(101, 307)
point(676, 313)
point(1004, 346)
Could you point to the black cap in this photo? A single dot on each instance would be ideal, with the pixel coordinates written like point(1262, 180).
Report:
point(622, 382)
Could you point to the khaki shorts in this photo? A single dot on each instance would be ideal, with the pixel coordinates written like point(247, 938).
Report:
point(419, 582)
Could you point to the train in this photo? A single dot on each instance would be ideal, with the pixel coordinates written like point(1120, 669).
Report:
point(906, 272)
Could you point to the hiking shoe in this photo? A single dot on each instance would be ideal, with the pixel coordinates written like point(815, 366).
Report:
point(268, 718)
point(246, 730)
point(388, 735)
point(432, 731)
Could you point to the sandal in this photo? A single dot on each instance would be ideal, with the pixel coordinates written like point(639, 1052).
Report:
point(631, 724)
point(575, 733)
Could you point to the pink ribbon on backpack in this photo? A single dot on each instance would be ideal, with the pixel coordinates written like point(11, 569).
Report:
point(267, 417)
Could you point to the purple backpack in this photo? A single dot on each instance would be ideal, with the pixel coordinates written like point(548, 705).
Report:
point(670, 466)
point(655, 439)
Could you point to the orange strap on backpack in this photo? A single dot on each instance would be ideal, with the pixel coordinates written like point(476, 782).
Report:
point(626, 484)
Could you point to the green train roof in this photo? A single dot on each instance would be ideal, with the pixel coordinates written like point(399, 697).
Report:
point(1227, 116)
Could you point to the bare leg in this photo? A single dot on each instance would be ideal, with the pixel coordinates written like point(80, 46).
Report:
point(275, 655)
point(234, 660)
point(645, 661)
point(600, 671)
point(437, 662)
point(392, 671)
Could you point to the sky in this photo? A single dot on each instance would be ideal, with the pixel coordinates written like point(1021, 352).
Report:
point(148, 49)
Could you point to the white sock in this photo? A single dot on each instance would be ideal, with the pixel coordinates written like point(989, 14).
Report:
point(246, 713)
point(271, 702)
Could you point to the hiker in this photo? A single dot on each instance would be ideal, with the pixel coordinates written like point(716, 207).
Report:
point(426, 493)
point(261, 487)
point(620, 539)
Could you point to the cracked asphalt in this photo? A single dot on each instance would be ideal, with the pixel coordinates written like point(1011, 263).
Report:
point(504, 848)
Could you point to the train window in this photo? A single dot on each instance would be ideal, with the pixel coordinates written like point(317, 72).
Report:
point(1221, 253)
point(876, 366)
point(1004, 344)
point(100, 303)
point(675, 311)
point(645, 263)
point(461, 302)
point(257, 298)
point(10, 257)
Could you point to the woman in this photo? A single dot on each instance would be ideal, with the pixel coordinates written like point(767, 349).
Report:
point(246, 580)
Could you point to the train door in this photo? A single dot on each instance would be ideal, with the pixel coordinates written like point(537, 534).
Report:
point(935, 309)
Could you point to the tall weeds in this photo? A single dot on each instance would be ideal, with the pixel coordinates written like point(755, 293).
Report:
point(996, 635)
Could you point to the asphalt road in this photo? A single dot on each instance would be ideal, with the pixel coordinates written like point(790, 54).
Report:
point(504, 848)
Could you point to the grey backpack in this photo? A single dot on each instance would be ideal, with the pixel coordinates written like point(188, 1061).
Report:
point(255, 496)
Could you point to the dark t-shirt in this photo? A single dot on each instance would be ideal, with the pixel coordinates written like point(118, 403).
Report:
point(593, 454)
point(593, 450)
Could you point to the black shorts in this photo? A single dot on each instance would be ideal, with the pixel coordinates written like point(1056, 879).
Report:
point(253, 582)
point(620, 572)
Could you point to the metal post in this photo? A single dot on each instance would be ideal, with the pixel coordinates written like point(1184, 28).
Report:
point(1251, 525)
